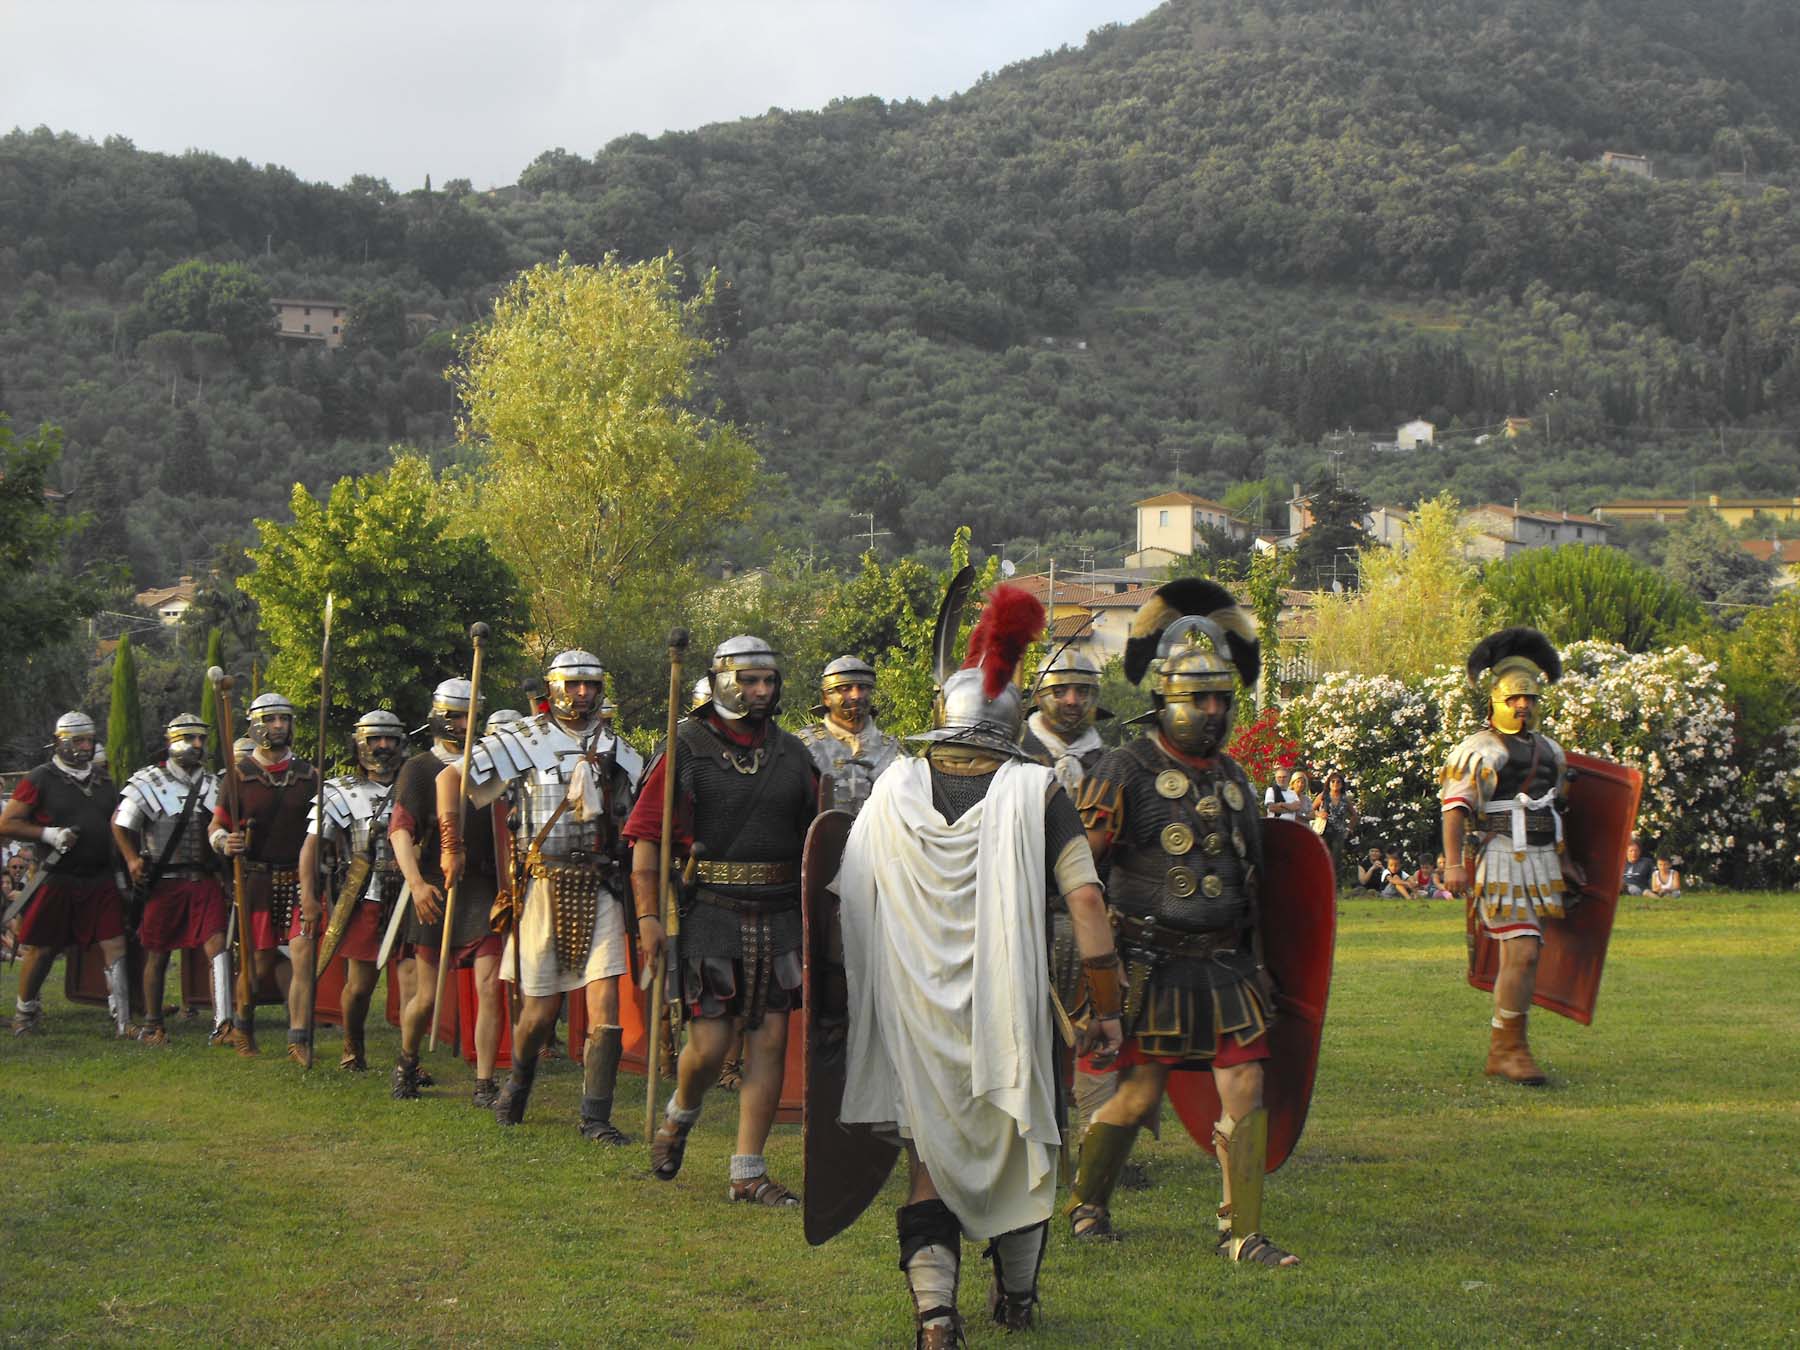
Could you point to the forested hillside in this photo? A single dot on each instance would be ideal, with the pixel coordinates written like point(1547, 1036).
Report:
point(1219, 235)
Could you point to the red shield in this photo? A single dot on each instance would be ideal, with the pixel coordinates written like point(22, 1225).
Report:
point(846, 1165)
point(1603, 803)
point(1299, 934)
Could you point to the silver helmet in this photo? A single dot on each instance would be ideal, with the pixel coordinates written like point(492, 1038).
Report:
point(737, 654)
point(186, 737)
point(1063, 671)
point(449, 698)
point(76, 740)
point(503, 717)
point(849, 679)
point(979, 707)
point(73, 724)
point(262, 709)
point(966, 716)
point(377, 725)
point(574, 666)
point(702, 693)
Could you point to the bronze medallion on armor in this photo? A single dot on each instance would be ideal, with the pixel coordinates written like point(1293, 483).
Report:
point(1234, 796)
point(1237, 843)
point(1172, 783)
point(1207, 807)
point(1211, 887)
point(1177, 838)
point(1214, 845)
point(1182, 882)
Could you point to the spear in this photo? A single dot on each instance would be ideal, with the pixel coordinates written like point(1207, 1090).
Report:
point(678, 640)
point(319, 890)
point(478, 636)
point(246, 985)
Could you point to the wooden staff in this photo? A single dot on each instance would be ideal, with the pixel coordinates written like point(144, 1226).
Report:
point(678, 640)
point(478, 635)
point(320, 891)
point(246, 986)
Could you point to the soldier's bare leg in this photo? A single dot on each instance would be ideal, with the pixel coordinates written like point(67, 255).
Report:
point(1509, 1052)
point(696, 1069)
point(760, 1093)
point(537, 1024)
point(359, 988)
point(299, 987)
point(1107, 1147)
point(34, 966)
point(156, 975)
point(490, 1014)
point(1240, 1142)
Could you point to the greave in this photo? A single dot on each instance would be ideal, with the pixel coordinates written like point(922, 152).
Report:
point(1242, 1148)
point(510, 1109)
point(221, 988)
point(1103, 1156)
point(931, 1258)
point(599, 1076)
point(118, 994)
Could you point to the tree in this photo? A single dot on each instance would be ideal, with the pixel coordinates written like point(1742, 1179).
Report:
point(1590, 591)
point(601, 483)
point(210, 712)
point(1704, 556)
point(40, 602)
point(125, 719)
point(1419, 607)
point(1335, 537)
point(406, 590)
point(1757, 663)
point(202, 297)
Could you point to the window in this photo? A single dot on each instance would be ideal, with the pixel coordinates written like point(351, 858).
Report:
point(306, 327)
point(1162, 517)
point(308, 309)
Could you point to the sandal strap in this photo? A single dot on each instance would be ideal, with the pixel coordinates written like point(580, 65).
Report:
point(1257, 1248)
point(1092, 1222)
point(763, 1190)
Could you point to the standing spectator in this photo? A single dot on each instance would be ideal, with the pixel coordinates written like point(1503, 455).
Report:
point(1666, 879)
point(1639, 868)
point(1339, 814)
point(1282, 802)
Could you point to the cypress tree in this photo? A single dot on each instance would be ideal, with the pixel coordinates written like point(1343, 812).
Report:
point(125, 722)
point(209, 704)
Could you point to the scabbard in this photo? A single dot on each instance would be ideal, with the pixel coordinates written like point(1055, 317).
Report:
point(356, 883)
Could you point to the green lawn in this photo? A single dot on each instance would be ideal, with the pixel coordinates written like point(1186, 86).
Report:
point(1649, 1194)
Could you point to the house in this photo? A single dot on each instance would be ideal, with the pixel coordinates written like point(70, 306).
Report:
point(1169, 525)
point(321, 321)
point(1667, 510)
point(168, 603)
point(1502, 532)
point(1784, 553)
point(1517, 427)
point(1414, 434)
point(1617, 161)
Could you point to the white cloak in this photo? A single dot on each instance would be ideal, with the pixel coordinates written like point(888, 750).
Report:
point(945, 952)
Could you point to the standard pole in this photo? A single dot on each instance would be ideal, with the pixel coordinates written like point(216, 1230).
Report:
point(478, 636)
point(678, 640)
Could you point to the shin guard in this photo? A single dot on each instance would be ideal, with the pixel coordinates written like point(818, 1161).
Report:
point(931, 1258)
point(221, 989)
point(510, 1109)
point(599, 1076)
point(1103, 1156)
point(1242, 1148)
point(118, 995)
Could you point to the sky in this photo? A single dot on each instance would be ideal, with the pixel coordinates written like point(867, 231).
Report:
point(403, 88)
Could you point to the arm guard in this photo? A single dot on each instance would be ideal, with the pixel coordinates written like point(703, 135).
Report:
point(1104, 978)
point(644, 895)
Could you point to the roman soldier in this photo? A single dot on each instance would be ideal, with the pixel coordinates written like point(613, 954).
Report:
point(745, 793)
point(574, 782)
point(160, 828)
point(848, 749)
point(423, 843)
point(1060, 731)
point(1176, 817)
point(950, 1037)
point(64, 807)
point(357, 857)
point(275, 785)
point(1507, 786)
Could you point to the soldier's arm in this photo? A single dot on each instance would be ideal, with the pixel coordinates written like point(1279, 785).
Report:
point(16, 822)
point(1456, 831)
point(127, 841)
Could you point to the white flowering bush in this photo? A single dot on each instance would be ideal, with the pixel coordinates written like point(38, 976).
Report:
point(1769, 836)
point(1662, 712)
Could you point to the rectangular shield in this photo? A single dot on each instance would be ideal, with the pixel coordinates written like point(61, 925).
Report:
point(1603, 805)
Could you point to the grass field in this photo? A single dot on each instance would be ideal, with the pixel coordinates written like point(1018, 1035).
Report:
point(1649, 1195)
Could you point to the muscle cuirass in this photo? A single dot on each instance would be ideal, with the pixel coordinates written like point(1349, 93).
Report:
point(1518, 774)
point(1187, 857)
point(751, 804)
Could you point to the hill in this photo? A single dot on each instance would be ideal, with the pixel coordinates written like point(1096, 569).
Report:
point(1222, 231)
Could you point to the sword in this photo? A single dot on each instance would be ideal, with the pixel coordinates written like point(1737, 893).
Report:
point(395, 924)
point(17, 907)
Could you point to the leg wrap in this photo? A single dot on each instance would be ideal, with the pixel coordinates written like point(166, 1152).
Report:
point(1242, 1148)
point(599, 1075)
point(1017, 1258)
point(510, 1109)
point(221, 988)
point(931, 1258)
point(1103, 1155)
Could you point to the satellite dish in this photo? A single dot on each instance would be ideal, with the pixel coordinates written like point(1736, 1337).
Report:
point(1007, 568)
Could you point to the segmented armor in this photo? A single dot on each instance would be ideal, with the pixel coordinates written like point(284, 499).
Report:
point(853, 763)
point(150, 806)
point(356, 810)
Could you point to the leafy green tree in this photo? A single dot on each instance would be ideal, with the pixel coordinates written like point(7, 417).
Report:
point(204, 297)
point(210, 713)
point(406, 590)
point(1270, 571)
point(1757, 661)
point(601, 483)
point(125, 719)
point(1590, 591)
point(1328, 551)
point(40, 601)
point(1419, 606)
point(1703, 556)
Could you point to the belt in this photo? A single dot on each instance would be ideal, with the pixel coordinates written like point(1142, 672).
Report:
point(187, 871)
point(576, 860)
point(1166, 941)
point(739, 905)
point(744, 873)
point(251, 865)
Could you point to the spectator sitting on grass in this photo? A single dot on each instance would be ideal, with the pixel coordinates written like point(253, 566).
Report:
point(1395, 884)
point(1666, 879)
point(1368, 872)
point(1639, 868)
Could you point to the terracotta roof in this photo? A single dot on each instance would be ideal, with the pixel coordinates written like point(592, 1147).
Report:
point(1183, 499)
point(1764, 549)
point(1071, 624)
point(1069, 590)
point(158, 596)
point(1132, 599)
point(1554, 517)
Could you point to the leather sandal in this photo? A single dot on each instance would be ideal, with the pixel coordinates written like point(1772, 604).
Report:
point(667, 1149)
point(1257, 1249)
point(1091, 1223)
point(763, 1190)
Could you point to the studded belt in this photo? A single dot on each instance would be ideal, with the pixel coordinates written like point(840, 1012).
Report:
point(1166, 941)
point(740, 905)
point(715, 873)
point(581, 860)
point(251, 865)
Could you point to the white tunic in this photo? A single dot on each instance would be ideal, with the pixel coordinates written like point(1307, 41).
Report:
point(945, 953)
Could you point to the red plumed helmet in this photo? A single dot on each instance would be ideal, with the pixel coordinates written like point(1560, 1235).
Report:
point(1009, 624)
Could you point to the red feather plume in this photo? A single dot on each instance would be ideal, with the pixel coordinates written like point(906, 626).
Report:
point(1009, 624)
